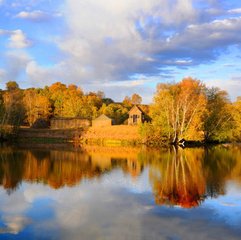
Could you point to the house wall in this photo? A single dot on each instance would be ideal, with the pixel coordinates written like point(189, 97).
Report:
point(139, 118)
point(131, 119)
point(101, 123)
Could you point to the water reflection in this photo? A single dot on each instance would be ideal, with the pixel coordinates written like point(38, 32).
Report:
point(178, 179)
point(63, 192)
point(183, 177)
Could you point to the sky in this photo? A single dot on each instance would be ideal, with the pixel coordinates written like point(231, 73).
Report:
point(121, 47)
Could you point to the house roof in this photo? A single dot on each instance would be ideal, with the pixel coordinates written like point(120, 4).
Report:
point(102, 117)
point(134, 108)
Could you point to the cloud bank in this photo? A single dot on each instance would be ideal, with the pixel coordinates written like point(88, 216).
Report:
point(102, 42)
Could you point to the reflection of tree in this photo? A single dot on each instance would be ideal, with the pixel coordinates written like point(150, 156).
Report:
point(11, 169)
point(236, 171)
point(178, 178)
point(59, 168)
point(218, 164)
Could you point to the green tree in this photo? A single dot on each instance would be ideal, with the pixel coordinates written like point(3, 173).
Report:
point(117, 112)
point(218, 122)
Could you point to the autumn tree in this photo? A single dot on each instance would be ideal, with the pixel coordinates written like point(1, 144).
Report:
point(56, 94)
point(136, 99)
point(90, 105)
point(1, 105)
point(36, 106)
point(117, 112)
point(14, 110)
point(237, 119)
point(218, 121)
point(11, 86)
point(127, 102)
point(107, 101)
point(178, 110)
point(1, 115)
point(72, 101)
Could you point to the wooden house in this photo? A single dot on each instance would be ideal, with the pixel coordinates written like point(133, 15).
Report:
point(136, 116)
point(102, 121)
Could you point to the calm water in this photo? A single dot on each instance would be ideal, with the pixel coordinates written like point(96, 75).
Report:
point(63, 192)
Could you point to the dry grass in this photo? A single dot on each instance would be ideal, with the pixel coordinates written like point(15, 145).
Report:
point(118, 132)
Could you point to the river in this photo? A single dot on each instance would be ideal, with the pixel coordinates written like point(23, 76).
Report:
point(91, 192)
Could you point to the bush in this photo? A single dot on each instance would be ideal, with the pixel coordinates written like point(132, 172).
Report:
point(151, 135)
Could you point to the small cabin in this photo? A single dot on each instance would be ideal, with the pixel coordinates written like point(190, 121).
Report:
point(102, 121)
point(136, 116)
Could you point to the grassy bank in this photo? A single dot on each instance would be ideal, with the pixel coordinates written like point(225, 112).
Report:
point(118, 135)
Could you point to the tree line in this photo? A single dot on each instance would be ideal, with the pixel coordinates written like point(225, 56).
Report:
point(192, 111)
point(26, 106)
point(185, 110)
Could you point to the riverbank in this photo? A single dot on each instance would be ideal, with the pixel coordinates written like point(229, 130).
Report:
point(108, 135)
point(115, 135)
point(48, 135)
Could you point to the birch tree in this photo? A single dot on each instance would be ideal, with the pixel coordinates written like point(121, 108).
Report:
point(178, 110)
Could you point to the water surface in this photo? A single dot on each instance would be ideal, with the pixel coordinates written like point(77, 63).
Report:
point(66, 192)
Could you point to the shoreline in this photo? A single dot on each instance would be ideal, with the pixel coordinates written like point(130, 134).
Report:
point(116, 135)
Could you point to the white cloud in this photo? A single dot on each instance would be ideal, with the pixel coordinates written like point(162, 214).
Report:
point(15, 61)
point(204, 39)
point(113, 40)
point(38, 74)
point(18, 40)
point(109, 41)
point(235, 11)
point(36, 15)
point(232, 85)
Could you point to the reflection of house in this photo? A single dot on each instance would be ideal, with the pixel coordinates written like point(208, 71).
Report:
point(66, 123)
point(136, 115)
point(102, 121)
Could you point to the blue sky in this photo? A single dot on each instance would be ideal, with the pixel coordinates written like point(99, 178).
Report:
point(121, 47)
